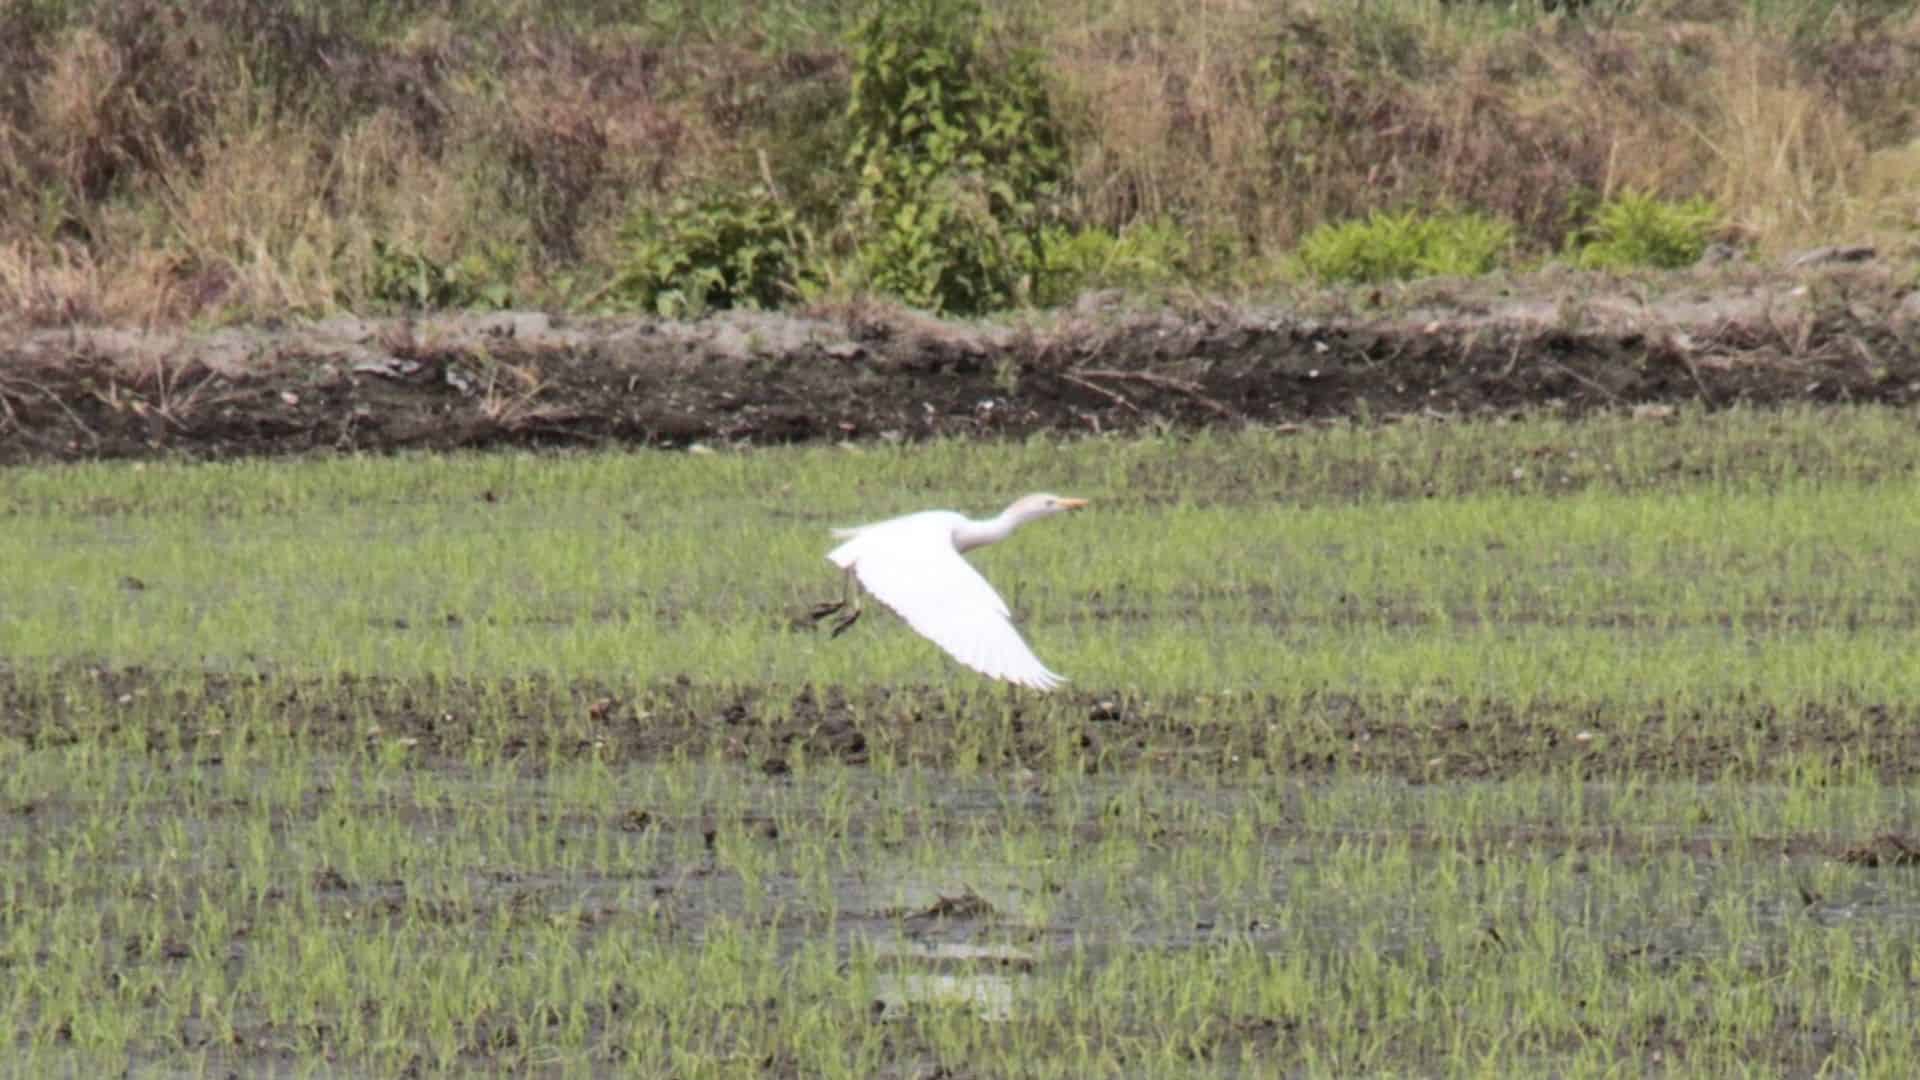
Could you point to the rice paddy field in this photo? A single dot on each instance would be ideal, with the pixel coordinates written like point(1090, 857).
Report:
point(1523, 748)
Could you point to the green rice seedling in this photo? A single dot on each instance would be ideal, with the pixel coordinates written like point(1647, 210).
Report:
point(363, 770)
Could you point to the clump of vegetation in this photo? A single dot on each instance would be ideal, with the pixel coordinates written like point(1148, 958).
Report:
point(956, 156)
point(1394, 247)
point(406, 278)
point(726, 249)
point(1638, 231)
point(1142, 255)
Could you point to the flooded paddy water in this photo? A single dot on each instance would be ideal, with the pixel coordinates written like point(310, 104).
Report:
point(1437, 749)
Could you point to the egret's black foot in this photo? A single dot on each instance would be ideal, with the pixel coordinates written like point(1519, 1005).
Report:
point(821, 611)
point(841, 626)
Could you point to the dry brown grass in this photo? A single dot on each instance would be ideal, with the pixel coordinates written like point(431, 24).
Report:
point(1782, 158)
point(270, 197)
point(1167, 120)
point(75, 106)
point(162, 161)
point(1262, 128)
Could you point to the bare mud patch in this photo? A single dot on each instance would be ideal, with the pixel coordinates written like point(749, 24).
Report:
point(778, 730)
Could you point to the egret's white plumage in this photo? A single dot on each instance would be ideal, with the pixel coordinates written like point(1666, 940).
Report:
point(912, 564)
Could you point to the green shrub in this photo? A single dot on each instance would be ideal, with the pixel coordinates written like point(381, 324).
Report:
point(955, 156)
point(1635, 230)
point(947, 251)
point(726, 249)
point(1390, 247)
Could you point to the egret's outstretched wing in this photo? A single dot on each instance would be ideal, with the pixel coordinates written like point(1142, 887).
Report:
point(916, 572)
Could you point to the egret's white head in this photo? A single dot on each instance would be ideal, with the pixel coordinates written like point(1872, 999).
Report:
point(1033, 507)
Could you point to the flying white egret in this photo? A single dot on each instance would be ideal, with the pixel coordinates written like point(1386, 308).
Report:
point(912, 564)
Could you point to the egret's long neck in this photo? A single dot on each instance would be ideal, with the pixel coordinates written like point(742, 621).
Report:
point(972, 534)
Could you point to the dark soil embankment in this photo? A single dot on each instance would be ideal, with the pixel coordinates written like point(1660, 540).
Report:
point(349, 384)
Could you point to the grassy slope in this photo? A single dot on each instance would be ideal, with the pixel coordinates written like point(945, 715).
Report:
point(240, 157)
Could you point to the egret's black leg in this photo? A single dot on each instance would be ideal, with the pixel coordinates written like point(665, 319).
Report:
point(849, 603)
point(849, 618)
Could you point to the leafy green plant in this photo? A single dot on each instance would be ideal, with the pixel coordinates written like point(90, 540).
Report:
point(1144, 253)
point(1636, 230)
point(956, 154)
point(406, 278)
point(1386, 247)
point(725, 249)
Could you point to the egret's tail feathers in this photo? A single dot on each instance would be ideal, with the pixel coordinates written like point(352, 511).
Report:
point(1047, 681)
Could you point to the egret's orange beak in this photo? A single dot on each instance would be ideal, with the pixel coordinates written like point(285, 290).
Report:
point(1072, 504)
